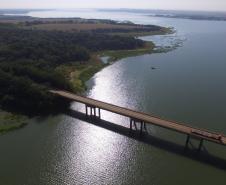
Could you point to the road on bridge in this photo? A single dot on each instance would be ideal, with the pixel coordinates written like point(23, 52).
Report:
point(201, 134)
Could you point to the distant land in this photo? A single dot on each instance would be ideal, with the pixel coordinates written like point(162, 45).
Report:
point(195, 15)
point(192, 16)
point(19, 11)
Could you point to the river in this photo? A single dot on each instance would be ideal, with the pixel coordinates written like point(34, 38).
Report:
point(187, 85)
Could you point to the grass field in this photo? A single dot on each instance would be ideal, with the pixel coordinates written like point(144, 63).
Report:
point(81, 26)
point(85, 25)
point(116, 29)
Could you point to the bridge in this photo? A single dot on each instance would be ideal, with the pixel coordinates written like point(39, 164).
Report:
point(93, 108)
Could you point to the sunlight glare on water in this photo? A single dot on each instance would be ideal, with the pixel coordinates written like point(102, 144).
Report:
point(187, 85)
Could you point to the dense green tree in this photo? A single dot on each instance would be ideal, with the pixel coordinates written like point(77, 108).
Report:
point(28, 59)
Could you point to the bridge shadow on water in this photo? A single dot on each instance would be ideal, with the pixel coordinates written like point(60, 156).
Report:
point(202, 157)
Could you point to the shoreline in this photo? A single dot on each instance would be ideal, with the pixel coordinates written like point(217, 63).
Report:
point(10, 121)
point(79, 73)
point(85, 72)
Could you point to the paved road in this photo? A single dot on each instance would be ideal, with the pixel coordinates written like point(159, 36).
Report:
point(182, 128)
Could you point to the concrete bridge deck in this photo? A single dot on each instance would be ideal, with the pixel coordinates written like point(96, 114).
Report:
point(136, 116)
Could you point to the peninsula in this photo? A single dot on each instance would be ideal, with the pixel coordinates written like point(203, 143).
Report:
point(39, 54)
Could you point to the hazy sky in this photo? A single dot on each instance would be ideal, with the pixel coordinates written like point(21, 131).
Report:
point(214, 5)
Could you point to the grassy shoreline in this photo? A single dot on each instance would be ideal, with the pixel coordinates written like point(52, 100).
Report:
point(117, 55)
point(79, 74)
point(10, 121)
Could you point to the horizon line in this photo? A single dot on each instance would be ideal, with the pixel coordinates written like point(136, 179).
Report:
point(107, 8)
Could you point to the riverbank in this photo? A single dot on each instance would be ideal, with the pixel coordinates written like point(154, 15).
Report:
point(67, 62)
point(10, 121)
point(117, 55)
point(79, 74)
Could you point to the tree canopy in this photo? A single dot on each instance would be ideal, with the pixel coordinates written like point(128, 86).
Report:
point(28, 59)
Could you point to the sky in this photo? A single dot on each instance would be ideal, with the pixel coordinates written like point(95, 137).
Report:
point(206, 5)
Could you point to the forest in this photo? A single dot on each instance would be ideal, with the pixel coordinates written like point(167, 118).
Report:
point(29, 58)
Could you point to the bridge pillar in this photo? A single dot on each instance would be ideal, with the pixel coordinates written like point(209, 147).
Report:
point(145, 127)
point(93, 111)
point(86, 110)
point(135, 124)
point(200, 145)
point(99, 113)
point(141, 127)
point(131, 124)
point(134, 121)
point(95, 115)
point(187, 142)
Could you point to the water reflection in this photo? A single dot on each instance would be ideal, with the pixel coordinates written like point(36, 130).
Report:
point(131, 83)
point(187, 86)
point(102, 152)
point(150, 139)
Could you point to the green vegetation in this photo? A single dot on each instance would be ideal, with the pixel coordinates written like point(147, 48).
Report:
point(22, 94)
point(9, 121)
point(117, 55)
point(78, 74)
point(94, 26)
point(41, 54)
point(33, 61)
